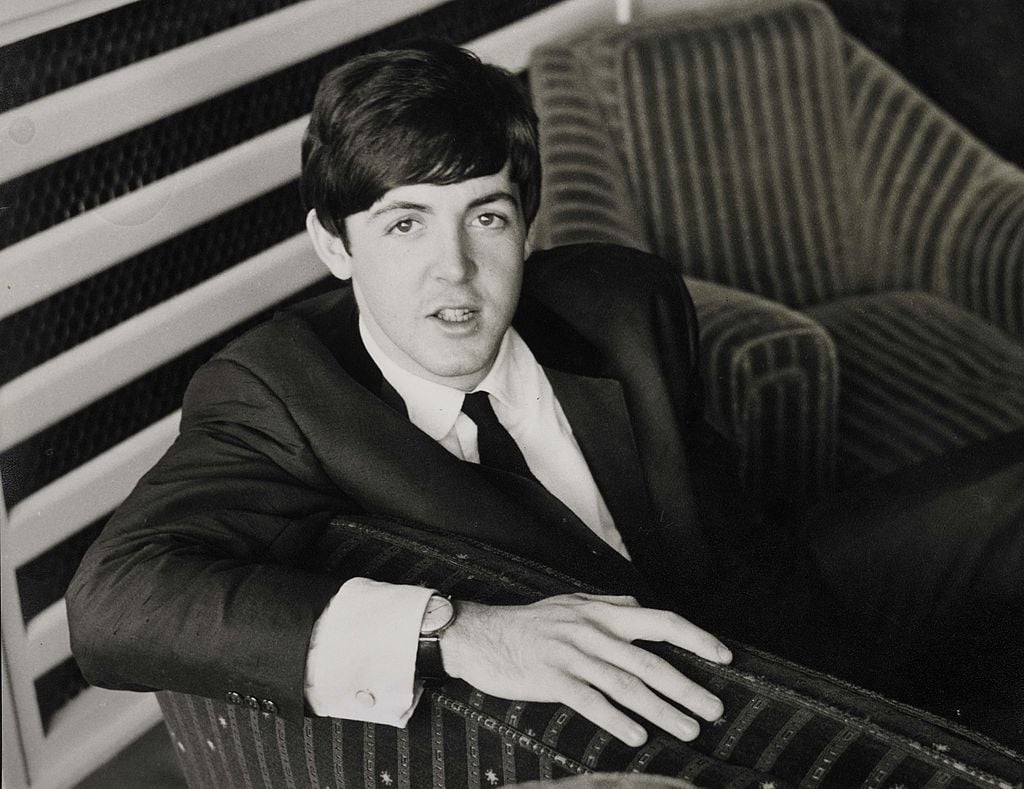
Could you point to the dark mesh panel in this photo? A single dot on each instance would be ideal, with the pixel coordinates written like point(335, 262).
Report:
point(54, 325)
point(87, 179)
point(81, 182)
point(57, 59)
point(44, 580)
point(56, 688)
point(83, 435)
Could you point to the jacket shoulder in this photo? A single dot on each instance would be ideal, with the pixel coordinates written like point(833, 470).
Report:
point(609, 295)
point(603, 309)
point(607, 271)
point(318, 320)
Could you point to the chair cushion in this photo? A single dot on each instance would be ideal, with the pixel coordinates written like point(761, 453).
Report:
point(919, 377)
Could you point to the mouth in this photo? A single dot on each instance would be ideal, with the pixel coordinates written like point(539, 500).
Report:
point(455, 314)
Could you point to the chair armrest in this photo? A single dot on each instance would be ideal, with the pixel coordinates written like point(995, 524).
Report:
point(459, 736)
point(771, 378)
point(585, 195)
point(939, 211)
point(982, 269)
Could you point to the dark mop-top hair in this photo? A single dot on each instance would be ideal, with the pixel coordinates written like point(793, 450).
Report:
point(434, 114)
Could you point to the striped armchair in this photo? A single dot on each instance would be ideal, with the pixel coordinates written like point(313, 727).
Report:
point(784, 725)
point(856, 258)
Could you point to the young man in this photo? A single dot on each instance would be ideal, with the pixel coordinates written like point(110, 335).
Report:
point(543, 407)
point(410, 394)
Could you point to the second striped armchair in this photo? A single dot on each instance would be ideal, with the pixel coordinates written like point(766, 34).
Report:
point(856, 257)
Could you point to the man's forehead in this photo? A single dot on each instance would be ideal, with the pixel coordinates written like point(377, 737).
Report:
point(470, 192)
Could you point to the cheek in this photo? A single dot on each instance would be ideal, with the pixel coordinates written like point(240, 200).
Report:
point(387, 291)
point(505, 286)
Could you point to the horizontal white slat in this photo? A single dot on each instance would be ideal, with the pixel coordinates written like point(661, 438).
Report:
point(51, 515)
point(19, 699)
point(47, 640)
point(88, 732)
point(23, 18)
point(15, 772)
point(100, 365)
point(649, 9)
point(63, 123)
point(510, 46)
point(85, 245)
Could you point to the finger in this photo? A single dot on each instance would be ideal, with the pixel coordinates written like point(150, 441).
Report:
point(649, 624)
point(630, 691)
point(593, 706)
point(621, 600)
point(666, 679)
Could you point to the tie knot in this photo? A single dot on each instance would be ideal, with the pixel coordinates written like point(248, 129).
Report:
point(477, 406)
point(496, 447)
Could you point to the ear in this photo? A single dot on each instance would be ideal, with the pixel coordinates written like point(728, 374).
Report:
point(329, 248)
point(528, 242)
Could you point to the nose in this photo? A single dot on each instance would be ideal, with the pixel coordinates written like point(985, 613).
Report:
point(455, 259)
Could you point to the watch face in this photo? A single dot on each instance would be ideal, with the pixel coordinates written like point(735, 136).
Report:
point(439, 613)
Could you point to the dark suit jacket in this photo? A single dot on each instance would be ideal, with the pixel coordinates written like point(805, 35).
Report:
point(205, 580)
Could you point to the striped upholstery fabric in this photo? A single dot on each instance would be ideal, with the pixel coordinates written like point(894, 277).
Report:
point(930, 194)
point(783, 726)
point(982, 268)
point(763, 152)
point(585, 194)
point(910, 369)
point(769, 371)
point(700, 109)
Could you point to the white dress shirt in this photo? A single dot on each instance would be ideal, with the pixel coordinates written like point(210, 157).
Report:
point(362, 654)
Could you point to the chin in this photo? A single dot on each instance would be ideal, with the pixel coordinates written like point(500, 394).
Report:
point(458, 368)
point(457, 371)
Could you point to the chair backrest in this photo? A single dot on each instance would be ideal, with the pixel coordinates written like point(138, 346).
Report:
point(730, 131)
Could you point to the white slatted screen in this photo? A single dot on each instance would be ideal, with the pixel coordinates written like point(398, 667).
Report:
point(54, 133)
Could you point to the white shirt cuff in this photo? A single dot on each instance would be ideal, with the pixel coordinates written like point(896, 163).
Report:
point(361, 663)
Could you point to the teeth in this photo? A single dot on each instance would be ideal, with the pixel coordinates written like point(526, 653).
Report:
point(454, 315)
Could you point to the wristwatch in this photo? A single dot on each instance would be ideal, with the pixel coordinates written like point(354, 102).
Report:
point(437, 618)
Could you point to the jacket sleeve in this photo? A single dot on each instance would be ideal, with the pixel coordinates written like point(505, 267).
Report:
point(203, 579)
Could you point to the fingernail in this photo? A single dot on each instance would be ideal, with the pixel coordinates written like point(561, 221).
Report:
point(724, 655)
point(688, 730)
point(637, 737)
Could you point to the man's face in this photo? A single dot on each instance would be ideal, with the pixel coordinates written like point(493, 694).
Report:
point(436, 272)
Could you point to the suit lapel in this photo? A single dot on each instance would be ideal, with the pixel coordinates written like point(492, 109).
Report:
point(597, 413)
point(596, 410)
point(522, 517)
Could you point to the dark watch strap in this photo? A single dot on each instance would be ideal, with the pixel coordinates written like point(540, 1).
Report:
point(429, 666)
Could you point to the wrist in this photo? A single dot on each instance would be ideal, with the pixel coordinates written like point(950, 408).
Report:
point(439, 615)
point(457, 640)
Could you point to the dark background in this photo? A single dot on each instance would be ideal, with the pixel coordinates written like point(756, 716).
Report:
point(967, 55)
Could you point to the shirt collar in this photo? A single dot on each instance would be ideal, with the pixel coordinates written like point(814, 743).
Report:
point(434, 407)
point(500, 381)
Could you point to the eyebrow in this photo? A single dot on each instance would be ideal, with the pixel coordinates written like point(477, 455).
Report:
point(398, 205)
point(495, 197)
point(404, 205)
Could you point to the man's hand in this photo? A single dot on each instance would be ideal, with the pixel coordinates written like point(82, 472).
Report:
point(576, 649)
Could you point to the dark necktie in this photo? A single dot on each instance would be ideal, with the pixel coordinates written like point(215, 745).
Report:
point(496, 446)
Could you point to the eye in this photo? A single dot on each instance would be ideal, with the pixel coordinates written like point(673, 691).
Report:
point(491, 220)
point(403, 226)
